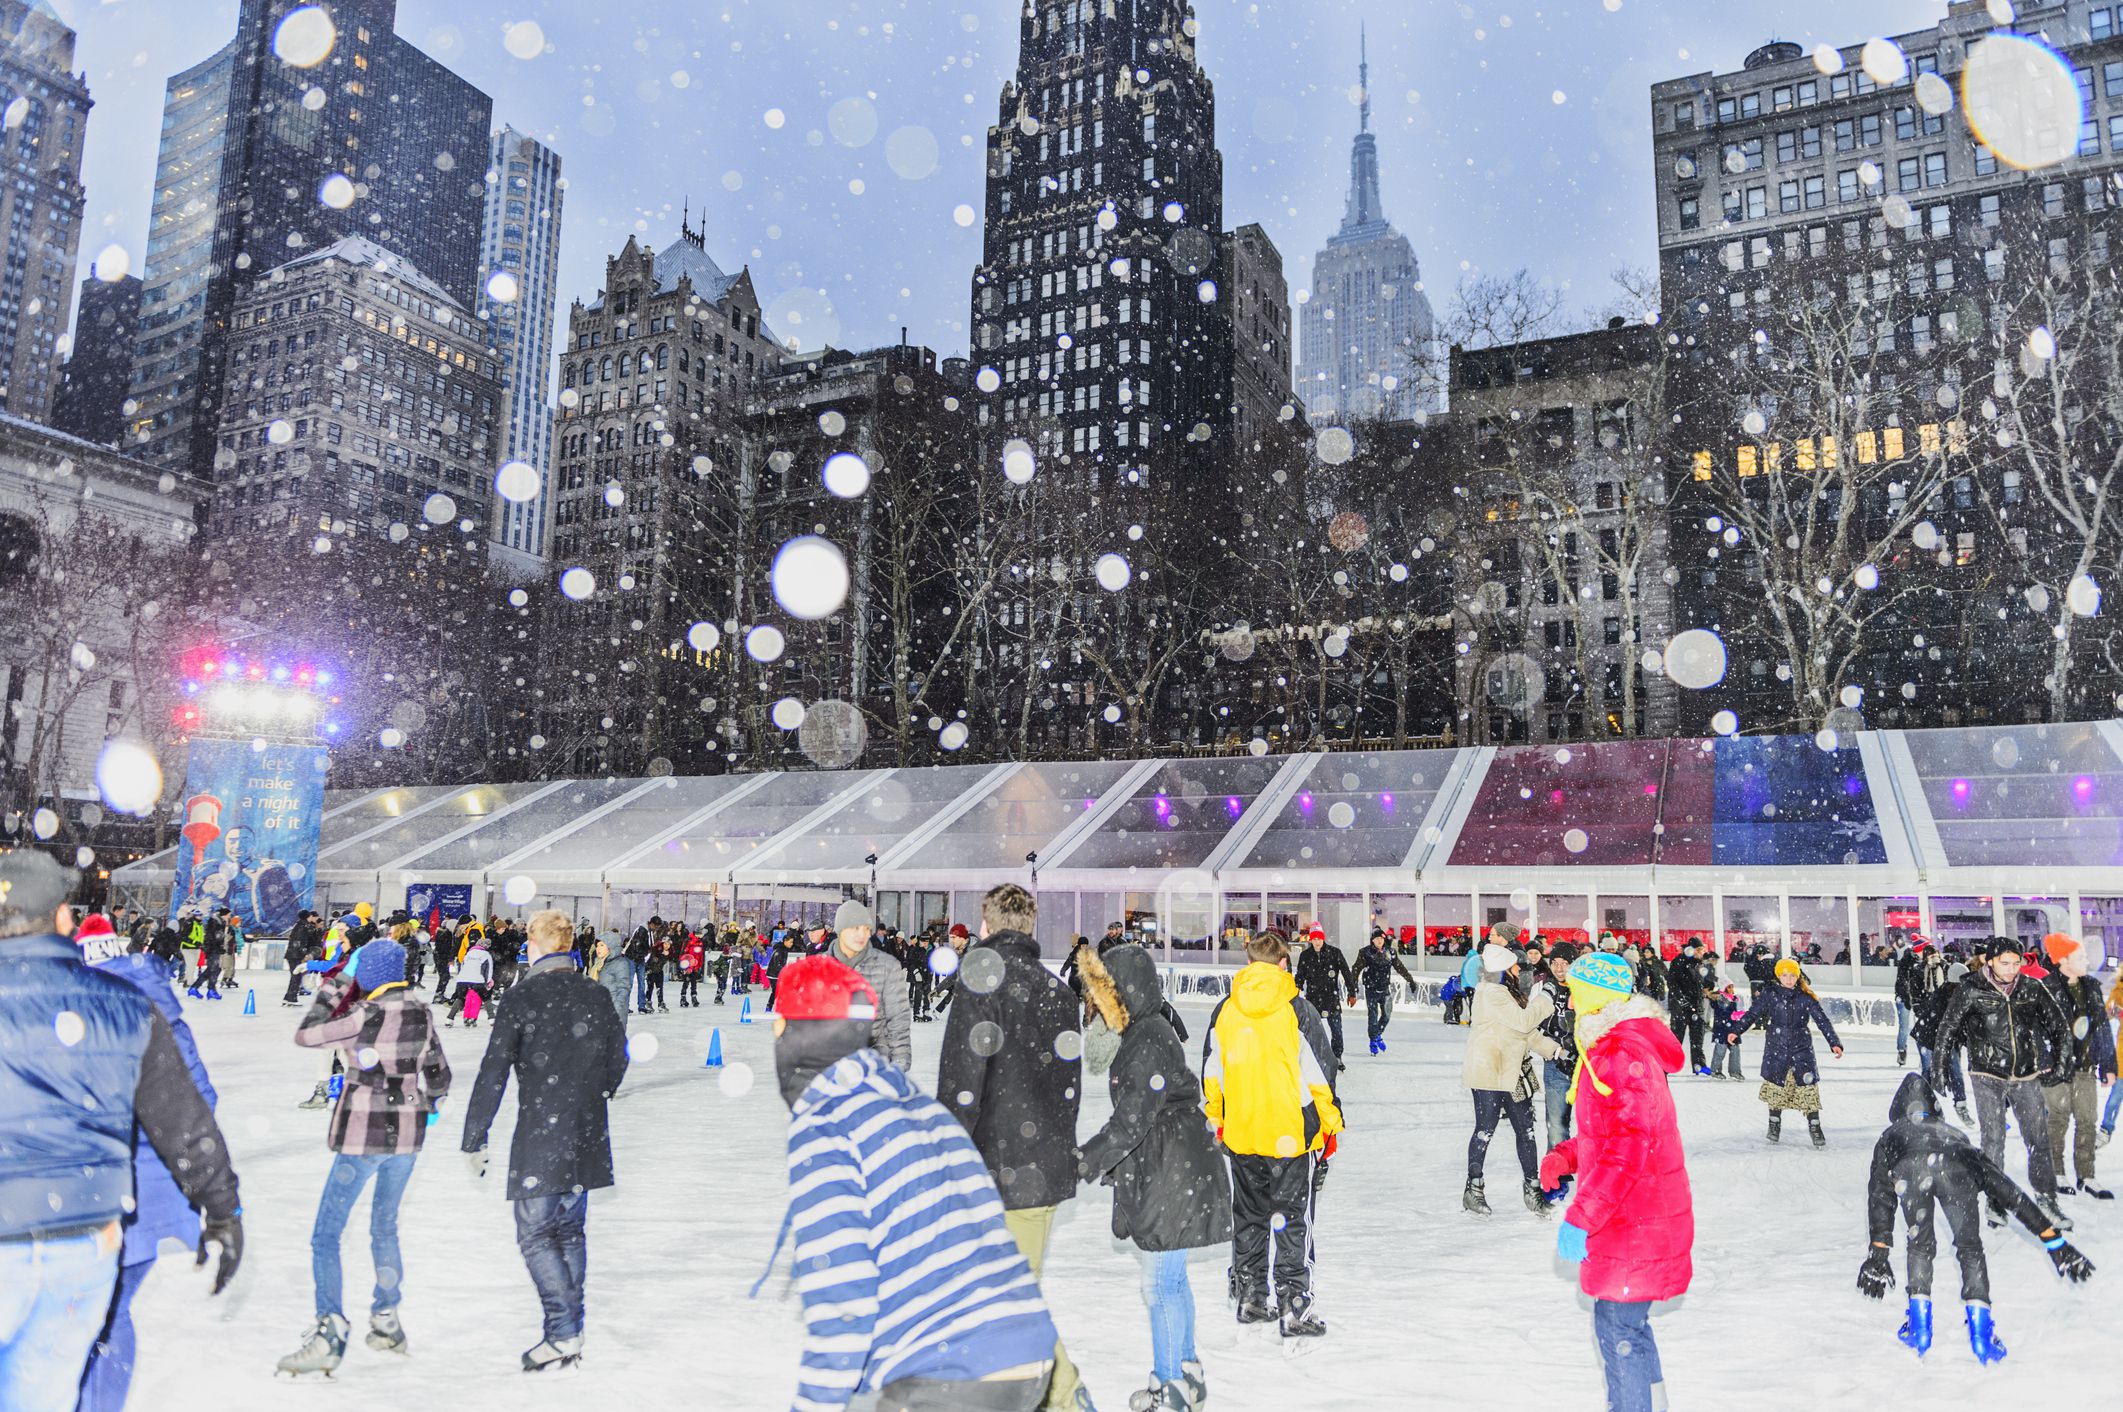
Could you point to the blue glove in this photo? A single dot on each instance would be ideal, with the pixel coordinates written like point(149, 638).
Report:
point(1570, 1243)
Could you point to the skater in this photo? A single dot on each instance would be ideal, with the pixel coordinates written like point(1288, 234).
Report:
point(2115, 1089)
point(658, 962)
point(1271, 1100)
point(1943, 974)
point(1687, 992)
point(1377, 962)
point(1790, 1074)
point(567, 1047)
point(611, 969)
point(1630, 1227)
point(73, 1113)
point(158, 1211)
point(853, 948)
point(1019, 1100)
point(1910, 990)
point(468, 994)
point(1923, 1161)
point(1509, 1013)
point(2013, 1031)
point(1727, 1023)
point(912, 1284)
point(304, 939)
point(1503, 934)
point(2087, 1060)
point(1561, 1028)
point(212, 936)
point(919, 978)
point(396, 1076)
point(1323, 976)
point(1171, 1190)
point(692, 960)
point(721, 959)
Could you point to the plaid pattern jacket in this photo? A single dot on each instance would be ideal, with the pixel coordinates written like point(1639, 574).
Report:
point(396, 1072)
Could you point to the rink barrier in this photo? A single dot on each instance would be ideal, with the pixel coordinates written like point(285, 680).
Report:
point(1847, 1009)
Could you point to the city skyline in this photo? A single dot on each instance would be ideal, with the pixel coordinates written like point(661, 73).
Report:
point(1466, 160)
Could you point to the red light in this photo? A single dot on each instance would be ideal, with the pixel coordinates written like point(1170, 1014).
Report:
point(304, 676)
point(209, 667)
point(256, 672)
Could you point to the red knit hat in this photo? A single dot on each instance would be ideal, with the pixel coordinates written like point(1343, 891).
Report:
point(821, 988)
point(97, 941)
point(1317, 933)
point(958, 931)
point(2057, 946)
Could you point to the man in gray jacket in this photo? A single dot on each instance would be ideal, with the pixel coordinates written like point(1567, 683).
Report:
point(892, 1032)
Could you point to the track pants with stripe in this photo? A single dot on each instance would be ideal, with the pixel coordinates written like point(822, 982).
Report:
point(1265, 1249)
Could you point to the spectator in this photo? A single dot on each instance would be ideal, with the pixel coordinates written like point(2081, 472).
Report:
point(894, 1033)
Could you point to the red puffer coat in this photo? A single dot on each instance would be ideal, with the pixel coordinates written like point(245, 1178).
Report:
point(1632, 1198)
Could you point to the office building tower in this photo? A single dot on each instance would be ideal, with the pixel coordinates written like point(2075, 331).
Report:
point(520, 266)
point(43, 122)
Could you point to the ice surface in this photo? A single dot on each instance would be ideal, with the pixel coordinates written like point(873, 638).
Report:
point(1427, 1307)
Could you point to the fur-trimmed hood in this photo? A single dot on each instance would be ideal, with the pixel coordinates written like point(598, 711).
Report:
point(1658, 1039)
point(1121, 985)
point(1593, 1028)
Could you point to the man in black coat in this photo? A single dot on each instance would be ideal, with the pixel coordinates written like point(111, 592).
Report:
point(1687, 991)
point(1377, 961)
point(1921, 1161)
point(1324, 978)
point(1011, 1072)
point(2014, 1034)
point(1760, 970)
point(304, 940)
point(561, 1037)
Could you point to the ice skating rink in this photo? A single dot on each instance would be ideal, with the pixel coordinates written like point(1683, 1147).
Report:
point(1427, 1307)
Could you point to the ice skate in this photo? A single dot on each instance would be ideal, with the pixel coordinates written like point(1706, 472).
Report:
point(1916, 1327)
point(1813, 1126)
point(1983, 1335)
point(319, 1097)
point(1299, 1320)
point(1197, 1384)
point(321, 1350)
point(1901, 1057)
point(2087, 1187)
point(386, 1334)
point(1472, 1200)
point(1702, 1071)
point(2055, 1212)
point(1960, 1110)
point(1776, 1124)
point(1253, 1309)
point(1536, 1200)
point(553, 1355)
point(2104, 1137)
point(1160, 1397)
point(193, 992)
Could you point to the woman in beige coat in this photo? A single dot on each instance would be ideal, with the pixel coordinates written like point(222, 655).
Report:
point(1508, 1015)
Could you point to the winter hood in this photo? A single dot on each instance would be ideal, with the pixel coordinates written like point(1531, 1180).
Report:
point(1123, 985)
point(1656, 1039)
point(1261, 989)
point(1914, 1102)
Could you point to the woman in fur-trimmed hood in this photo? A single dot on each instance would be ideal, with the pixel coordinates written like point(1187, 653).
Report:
point(1171, 1190)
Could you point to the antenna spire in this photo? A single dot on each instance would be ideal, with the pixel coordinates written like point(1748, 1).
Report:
point(1364, 72)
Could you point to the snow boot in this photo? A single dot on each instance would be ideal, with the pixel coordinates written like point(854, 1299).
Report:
point(1776, 1124)
point(1159, 1397)
point(1197, 1383)
point(1916, 1328)
point(1300, 1322)
point(322, 1348)
point(386, 1334)
point(1813, 1126)
point(1536, 1199)
point(2098, 1193)
point(1983, 1335)
point(1473, 1200)
point(319, 1097)
point(553, 1355)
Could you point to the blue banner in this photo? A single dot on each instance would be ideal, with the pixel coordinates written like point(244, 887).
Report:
point(423, 900)
point(252, 812)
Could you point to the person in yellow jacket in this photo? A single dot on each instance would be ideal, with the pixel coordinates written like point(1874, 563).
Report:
point(1267, 1086)
point(468, 938)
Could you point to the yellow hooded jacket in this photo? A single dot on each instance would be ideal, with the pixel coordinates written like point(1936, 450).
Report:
point(1262, 1085)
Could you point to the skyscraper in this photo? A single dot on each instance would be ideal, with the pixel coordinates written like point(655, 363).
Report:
point(1369, 345)
point(292, 137)
point(43, 119)
point(520, 263)
point(1098, 330)
point(93, 387)
point(1257, 298)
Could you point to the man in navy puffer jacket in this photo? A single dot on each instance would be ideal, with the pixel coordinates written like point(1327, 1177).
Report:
point(160, 1211)
point(82, 1055)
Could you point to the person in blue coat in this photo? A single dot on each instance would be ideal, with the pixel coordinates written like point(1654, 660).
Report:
point(160, 1211)
point(1791, 1077)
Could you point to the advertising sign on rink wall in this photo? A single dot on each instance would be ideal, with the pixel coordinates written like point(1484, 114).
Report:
point(252, 810)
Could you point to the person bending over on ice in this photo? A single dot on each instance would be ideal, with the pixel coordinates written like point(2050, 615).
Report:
point(1631, 1226)
point(913, 1286)
point(1923, 1160)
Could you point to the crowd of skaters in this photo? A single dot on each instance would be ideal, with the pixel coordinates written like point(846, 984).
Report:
point(1227, 1147)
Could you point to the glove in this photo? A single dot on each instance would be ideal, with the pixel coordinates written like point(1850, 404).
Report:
point(1570, 1243)
point(1876, 1275)
point(2069, 1262)
point(1352, 1002)
point(228, 1234)
point(476, 1163)
point(1554, 1169)
point(1327, 1152)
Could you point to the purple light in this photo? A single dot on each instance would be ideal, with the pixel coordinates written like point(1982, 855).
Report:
point(1960, 793)
point(1233, 807)
point(1385, 803)
point(1651, 789)
point(1853, 785)
point(2082, 788)
point(1304, 802)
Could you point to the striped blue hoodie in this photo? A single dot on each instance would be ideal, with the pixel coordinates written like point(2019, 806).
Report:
point(902, 1258)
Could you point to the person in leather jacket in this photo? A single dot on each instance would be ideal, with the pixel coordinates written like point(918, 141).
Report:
point(2016, 1037)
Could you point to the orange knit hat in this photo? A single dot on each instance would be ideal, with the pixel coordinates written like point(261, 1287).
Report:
point(2058, 946)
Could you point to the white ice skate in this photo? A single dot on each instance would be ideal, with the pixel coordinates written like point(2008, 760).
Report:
point(386, 1334)
point(322, 1349)
point(554, 1356)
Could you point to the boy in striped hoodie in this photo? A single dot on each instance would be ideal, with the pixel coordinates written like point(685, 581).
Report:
point(912, 1285)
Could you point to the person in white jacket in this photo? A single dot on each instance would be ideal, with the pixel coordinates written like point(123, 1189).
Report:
point(475, 976)
point(1508, 1014)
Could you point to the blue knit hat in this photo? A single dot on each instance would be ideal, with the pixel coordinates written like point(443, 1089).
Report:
point(378, 964)
point(1599, 978)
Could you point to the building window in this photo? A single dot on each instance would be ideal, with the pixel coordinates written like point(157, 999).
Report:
point(2100, 24)
point(1787, 197)
point(1987, 211)
point(1684, 115)
point(1691, 213)
point(1909, 175)
point(1816, 192)
point(1986, 160)
point(1757, 203)
point(2053, 199)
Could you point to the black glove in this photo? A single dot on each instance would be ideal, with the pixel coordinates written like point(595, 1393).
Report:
point(2070, 1263)
point(228, 1234)
point(1876, 1275)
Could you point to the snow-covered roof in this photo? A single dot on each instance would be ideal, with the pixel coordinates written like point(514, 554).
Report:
point(687, 259)
point(358, 250)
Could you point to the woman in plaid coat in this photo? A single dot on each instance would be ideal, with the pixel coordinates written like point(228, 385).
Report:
point(396, 1076)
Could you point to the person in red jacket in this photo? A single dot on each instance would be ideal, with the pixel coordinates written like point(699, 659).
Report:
point(1631, 1226)
point(692, 961)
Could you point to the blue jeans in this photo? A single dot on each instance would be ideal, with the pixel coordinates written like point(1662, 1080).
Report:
point(1635, 1382)
point(109, 1375)
point(1954, 1080)
point(1171, 1302)
point(641, 986)
point(53, 1297)
point(1555, 1089)
point(2115, 1106)
point(550, 1234)
point(1901, 1028)
point(342, 1188)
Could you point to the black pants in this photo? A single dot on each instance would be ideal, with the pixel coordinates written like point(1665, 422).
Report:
point(2023, 1099)
point(936, 1395)
point(689, 989)
point(918, 996)
point(1688, 1026)
point(209, 972)
point(295, 971)
point(457, 1000)
point(653, 993)
point(722, 983)
point(1967, 1228)
point(1489, 1105)
point(1262, 1189)
point(442, 982)
point(1332, 1014)
point(1378, 1009)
